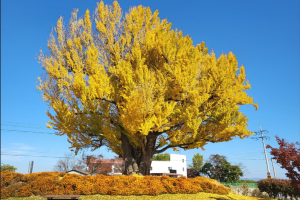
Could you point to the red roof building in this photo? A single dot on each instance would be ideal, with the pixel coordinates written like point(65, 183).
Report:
point(106, 166)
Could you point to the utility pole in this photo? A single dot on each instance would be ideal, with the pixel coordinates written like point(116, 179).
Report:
point(262, 137)
point(30, 167)
point(273, 169)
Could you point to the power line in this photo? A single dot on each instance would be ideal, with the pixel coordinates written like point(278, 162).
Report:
point(32, 156)
point(22, 131)
point(77, 158)
point(35, 132)
point(277, 164)
point(14, 150)
point(241, 152)
point(20, 123)
point(274, 143)
point(41, 156)
point(25, 126)
point(249, 156)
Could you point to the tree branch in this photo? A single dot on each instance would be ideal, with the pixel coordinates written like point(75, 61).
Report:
point(113, 102)
point(184, 146)
point(179, 101)
point(165, 58)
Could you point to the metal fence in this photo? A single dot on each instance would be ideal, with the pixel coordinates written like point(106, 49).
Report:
point(250, 185)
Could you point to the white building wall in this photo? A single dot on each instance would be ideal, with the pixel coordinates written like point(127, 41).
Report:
point(177, 162)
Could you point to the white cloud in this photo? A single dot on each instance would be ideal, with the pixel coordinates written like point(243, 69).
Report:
point(21, 146)
point(10, 151)
point(6, 159)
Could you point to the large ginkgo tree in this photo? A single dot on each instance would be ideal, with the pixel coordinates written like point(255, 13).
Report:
point(135, 85)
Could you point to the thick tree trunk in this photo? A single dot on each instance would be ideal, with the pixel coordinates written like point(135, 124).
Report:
point(137, 161)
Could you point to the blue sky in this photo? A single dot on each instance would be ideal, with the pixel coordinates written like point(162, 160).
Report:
point(264, 36)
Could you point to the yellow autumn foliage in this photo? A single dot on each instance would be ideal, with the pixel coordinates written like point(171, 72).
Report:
point(133, 74)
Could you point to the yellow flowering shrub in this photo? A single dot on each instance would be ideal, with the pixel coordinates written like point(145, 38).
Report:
point(50, 183)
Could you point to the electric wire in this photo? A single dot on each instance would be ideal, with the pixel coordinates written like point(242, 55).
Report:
point(36, 132)
point(248, 155)
point(38, 126)
point(75, 158)
point(25, 126)
point(16, 150)
point(24, 155)
point(21, 123)
point(241, 152)
point(232, 153)
point(23, 131)
point(32, 155)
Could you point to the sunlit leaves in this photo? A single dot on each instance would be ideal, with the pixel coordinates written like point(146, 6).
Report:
point(134, 74)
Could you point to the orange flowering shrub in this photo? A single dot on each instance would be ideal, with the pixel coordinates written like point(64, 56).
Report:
point(10, 183)
point(208, 185)
point(4, 193)
point(7, 177)
point(23, 191)
point(187, 186)
point(47, 183)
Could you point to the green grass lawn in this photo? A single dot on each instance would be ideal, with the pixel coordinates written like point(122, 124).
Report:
point(201, 195)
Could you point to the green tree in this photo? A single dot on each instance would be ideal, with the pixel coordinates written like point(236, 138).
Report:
point(197, 162)
point(161, 157)
point(220, 169)
point(7, 167)
point(230, 173)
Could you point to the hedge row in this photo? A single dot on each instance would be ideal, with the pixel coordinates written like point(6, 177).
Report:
point(54, 183)
point(275, 186)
